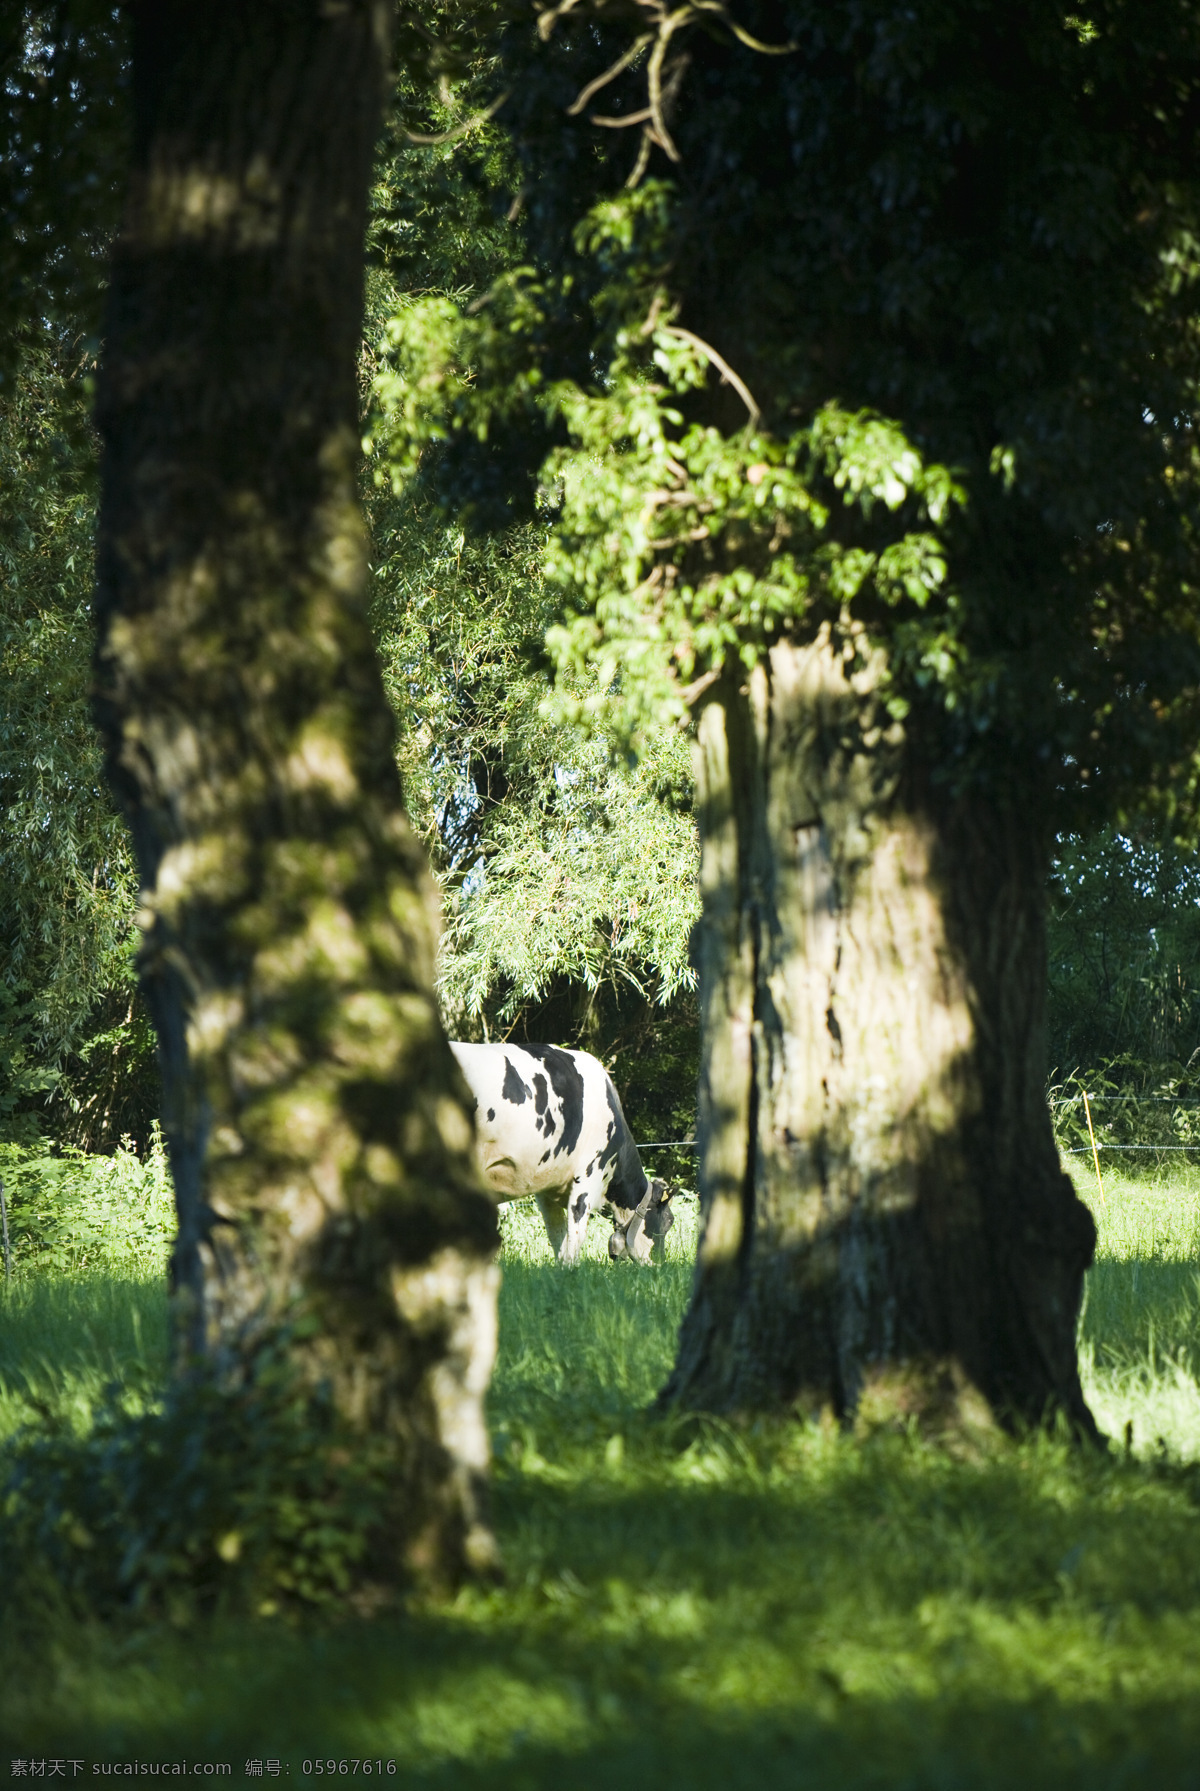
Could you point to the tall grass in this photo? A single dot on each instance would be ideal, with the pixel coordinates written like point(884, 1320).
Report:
point(68, 1341)
point(692, 1603)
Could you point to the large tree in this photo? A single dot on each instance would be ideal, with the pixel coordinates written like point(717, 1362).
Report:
point(320, 1135)
point(869, 329)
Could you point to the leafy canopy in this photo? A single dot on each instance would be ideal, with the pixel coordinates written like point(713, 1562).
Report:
point(943, 259)
point(561, 866)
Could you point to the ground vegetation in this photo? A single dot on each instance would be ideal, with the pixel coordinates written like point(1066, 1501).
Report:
point(762, 1604)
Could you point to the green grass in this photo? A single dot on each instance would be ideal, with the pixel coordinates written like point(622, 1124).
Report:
point(66, 1339)
point(689, 1604)
point(1140, 1333)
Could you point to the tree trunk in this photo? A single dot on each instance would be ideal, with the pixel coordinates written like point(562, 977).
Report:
point(886, 1227)
point(319, 1131)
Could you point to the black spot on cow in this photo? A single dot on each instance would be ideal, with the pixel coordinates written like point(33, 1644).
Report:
point(544, 1158)
point(544, 1122)
point(612, 1140)
point(491, 1113)
point(513, 1088)
point(629, 1178)
point(567, 1084)
point(579, 1206)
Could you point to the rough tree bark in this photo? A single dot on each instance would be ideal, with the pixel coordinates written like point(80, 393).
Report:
point(886, 1227)
point(320, 1134)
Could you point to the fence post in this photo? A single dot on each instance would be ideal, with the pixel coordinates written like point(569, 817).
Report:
point(1095, 1152)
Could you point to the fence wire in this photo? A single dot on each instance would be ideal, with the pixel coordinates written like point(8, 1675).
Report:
point(1057, 1105)
point(1127, 1124)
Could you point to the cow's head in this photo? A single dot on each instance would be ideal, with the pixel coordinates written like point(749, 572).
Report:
point(641, 1234)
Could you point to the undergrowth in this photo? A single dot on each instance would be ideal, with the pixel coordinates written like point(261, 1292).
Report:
point(687, 1603)
point(69, 1210)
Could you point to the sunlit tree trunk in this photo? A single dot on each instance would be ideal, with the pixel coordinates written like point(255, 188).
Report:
point(320, 1134)
point(887, 1232)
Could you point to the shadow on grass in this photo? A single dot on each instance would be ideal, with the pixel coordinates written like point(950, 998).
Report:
point(451, 1712)
point(905, 1744)
point(687, 1604)
point(785, 1609)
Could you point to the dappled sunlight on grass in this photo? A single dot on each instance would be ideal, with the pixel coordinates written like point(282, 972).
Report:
point(66, 1339)
point(1140, 1329)
point(697, 1603)
point(1152, 1214)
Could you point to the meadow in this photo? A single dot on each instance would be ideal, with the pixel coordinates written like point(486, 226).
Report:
point(687, 1603)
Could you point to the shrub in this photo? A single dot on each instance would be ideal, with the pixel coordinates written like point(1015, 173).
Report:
point(242, 1499)
point(68, 1210)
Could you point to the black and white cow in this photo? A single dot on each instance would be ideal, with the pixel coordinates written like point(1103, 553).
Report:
point(548, 1123)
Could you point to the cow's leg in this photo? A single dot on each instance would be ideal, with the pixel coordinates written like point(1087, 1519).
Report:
point(585, 1198)
point(555, 1213)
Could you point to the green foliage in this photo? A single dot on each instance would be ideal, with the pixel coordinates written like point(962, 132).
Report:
point(688, 1602)
point(1139, 1130)
point(245, 1498)
point(67, 925)
point(24, 1077)
point(921, 270)
point(1124, 955)
point(71, 1211)
point(600, 884)
point(677, 549)
point(562, 868)
point(556, 863)
point(672, 546)
point(63, 150)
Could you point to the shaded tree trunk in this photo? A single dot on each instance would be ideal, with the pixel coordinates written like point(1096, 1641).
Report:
point(886, 1226)
point(320, 1134)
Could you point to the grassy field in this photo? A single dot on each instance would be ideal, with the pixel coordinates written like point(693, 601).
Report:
point(690, 1604)
point(1139, 1343)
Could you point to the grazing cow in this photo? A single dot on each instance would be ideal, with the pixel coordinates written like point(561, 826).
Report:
point(548, 1123)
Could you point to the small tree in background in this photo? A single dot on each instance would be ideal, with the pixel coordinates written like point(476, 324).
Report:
point(560, 868)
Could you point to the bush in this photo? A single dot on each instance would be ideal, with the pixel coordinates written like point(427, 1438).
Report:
point(241, 1499)
point(68, 1210)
